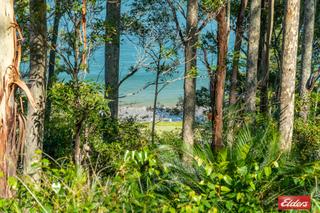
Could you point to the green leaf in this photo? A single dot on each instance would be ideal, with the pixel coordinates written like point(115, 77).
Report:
point(242, 170)
point(208, 169)
point(225, 189)
point(267, 171)
point(227, 179)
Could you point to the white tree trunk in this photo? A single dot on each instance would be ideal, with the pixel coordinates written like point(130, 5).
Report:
point(253, 53)
point(6, 59)
point(288, 75)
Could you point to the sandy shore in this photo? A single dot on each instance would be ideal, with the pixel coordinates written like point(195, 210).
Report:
point(144, 114)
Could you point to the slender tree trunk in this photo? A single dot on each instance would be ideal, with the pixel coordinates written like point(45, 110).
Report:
point(112, 56)
point(52, 57)
point(77, 144)
point(189, 101)
point(264, 102)
point(236, 52)
point(156, 93)
point(288, 75)
point(80, 118)
point(38, 57)
point(253, 53)
point(220, 76)
point(308, 31)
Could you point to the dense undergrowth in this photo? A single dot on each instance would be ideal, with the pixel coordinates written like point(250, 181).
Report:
point(123, 172)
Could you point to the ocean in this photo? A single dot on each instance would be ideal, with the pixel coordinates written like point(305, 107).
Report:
point(131, 91)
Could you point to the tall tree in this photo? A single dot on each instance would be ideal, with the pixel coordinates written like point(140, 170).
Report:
point(12, 123)
point(52, 55)
point(288, 75)
point(38, 57)
point(6, 55)
point(265, 56)
point(253, 52)
point(308, 31)
point(236, 52)
point(219, 79)
point(112, 55)
point(189, 101)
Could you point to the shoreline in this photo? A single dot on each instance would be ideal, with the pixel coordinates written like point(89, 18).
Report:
point(163, 113)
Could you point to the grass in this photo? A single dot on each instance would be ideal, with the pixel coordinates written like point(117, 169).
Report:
point(165, 126)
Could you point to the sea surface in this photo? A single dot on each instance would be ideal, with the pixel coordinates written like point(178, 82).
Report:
point(132, 91)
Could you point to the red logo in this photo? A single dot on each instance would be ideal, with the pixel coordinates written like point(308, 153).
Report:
point(294, 202)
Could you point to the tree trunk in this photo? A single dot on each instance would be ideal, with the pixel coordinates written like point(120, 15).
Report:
point(52, 57)
point(156, 93)
point(220, 76)
point(6, 56)
point(12, 122)
point(236, 52)
point(76, 85)
point(308, 30)
point(253, 53)
point(112, 56)
point(264, 66)
point(38, 56)
point(189, 101)
point(289, 60)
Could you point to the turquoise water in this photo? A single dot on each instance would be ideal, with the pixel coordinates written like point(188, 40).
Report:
point(132, 88)
point(131, 91)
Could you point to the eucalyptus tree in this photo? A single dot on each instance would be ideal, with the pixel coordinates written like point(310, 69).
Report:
point(12, 121)
point(37, 81)
point(308, 33)
point(236, 52)
point(288, 74)
point(219, 79)
point(112, 54)
point(253, 53)
point(53, 37)
point(189, 99)
point(266, 35)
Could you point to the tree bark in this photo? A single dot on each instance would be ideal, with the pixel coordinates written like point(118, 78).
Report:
point(253, 53)
point(52, 57)
point(289, 59)
point(38, 65)
point(112, 56)
point(156, 93)
point(189, 100)
point(6, 56)
point(220, 76)
point(236, 52)
point(308, 31)
point(264, 66)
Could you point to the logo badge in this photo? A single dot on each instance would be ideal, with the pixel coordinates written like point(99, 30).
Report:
point(294, 202)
